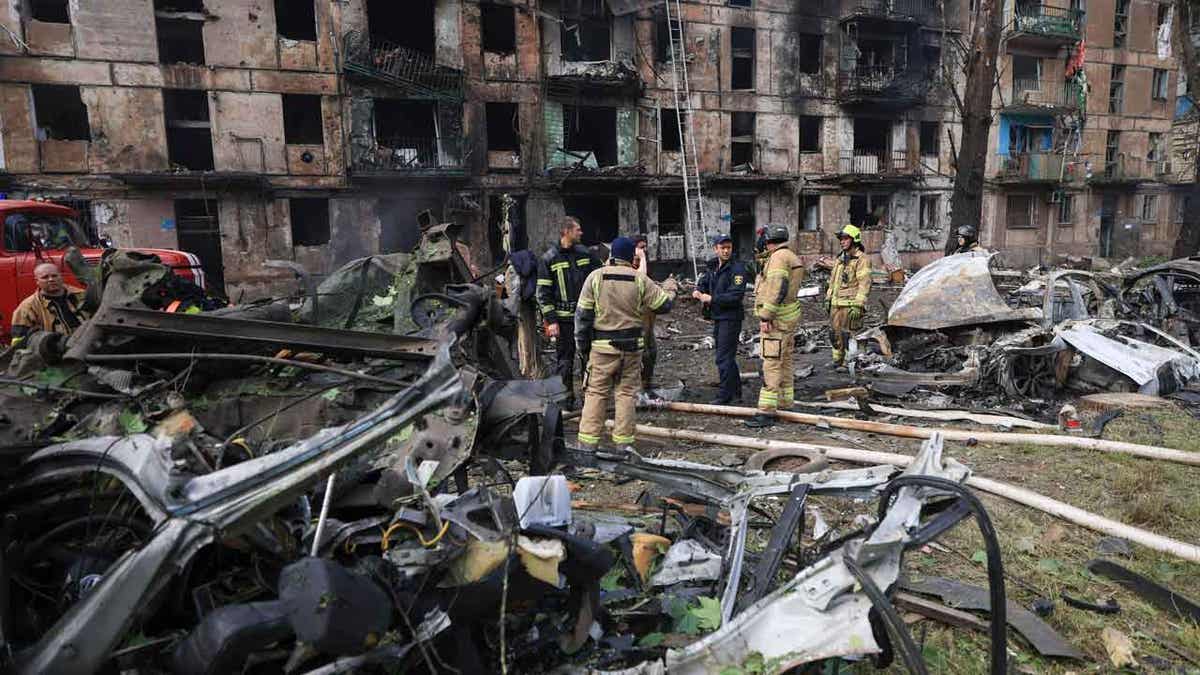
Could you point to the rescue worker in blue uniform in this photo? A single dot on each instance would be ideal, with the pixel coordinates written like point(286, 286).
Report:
point(561, 273)
point(721, 289)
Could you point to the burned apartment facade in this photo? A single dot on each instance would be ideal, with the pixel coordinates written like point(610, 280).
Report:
point(1082, 141)
point(250, 131)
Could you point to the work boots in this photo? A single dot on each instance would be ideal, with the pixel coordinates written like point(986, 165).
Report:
point(761, 421)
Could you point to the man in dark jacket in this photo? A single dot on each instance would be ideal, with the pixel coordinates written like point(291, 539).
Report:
point(720, 289)
point(561, 273)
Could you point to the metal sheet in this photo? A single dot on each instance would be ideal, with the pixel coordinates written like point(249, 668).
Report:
point(954, 291)
point(1139, 361)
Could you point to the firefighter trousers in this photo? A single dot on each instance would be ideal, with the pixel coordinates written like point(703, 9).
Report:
point(840, 326)
point(606, 371)
point(778, 347)
point(564, 353)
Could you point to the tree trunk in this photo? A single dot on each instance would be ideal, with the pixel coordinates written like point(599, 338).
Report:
point(1188, 241)
point(966, 203)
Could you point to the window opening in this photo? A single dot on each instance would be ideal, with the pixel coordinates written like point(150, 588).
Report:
point(599, 216)
point(1019, 211)
point(930, 210)
point(809, 54)
point(810, 133)
point(189, 132)
point(407, 24)
point(60, 113)
point(296, 19)
point(741, 151)
point(49, 11)
point(585, 31)
point(310, 221)
point(810, 212)
point(669, 130)
point(503, 127)
point(868, 211)
point(743, 223)
point(499, 28)
point(302, 120)
point(1116, 89)
point(199, 231)
point(670, 215)
point(742, 41)
point(180, 38)
point(1120, 23)
point(1066, 209)
point(1158, 88)
point(1149, 208)
point(591, 129)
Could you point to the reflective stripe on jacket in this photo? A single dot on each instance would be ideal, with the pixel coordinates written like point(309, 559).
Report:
point(775, 297)
point(561, 273)
point(613, 303)
point(850, 282)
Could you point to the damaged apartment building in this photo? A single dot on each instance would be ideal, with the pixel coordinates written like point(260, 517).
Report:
point(249, 131)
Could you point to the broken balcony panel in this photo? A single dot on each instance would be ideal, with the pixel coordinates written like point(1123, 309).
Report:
point(956, 290)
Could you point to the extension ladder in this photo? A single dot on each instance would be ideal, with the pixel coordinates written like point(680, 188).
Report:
point(693, 201)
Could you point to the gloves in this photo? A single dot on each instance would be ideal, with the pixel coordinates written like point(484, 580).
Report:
point(671, 285)
point(856, 313)
point(584, 349)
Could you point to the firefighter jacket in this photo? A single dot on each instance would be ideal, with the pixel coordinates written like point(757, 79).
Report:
point(561, 272)
point(726, 284)
point(611, 308)
point(38, 312)
point(775, 297)
point(850, 281)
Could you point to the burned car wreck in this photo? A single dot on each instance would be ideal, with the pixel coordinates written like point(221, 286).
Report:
point(1066, 330)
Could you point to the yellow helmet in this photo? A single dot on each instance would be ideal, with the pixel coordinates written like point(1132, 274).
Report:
point(851, 231)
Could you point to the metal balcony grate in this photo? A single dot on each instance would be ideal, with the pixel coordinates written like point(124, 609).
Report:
point(413, 71)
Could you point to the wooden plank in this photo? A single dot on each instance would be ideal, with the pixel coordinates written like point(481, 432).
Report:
point(939, 612)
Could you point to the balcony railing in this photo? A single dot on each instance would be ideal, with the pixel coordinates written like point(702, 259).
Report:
point(413, 71)
point(1126, 169)
point(410, 154)
point(894, 10)
point(1044, 23)
point(1048, 94)
point(882, 84)
point(1032, 167)
point(874, 163)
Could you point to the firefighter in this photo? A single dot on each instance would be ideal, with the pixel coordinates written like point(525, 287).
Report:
point(53, 308)
point(608, 330)
point(641, 263)
point(778, 312)
point(720, 290)
point(968, 239)
point(849, 285)
point(561, 272)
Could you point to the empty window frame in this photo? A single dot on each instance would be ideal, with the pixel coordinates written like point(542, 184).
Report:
point(408, 24)
point(1149, 212)
point(503, 127)
point(810, 133)
point(931, 139)
point(1164, 13)
point(1154, 146)
point(1066, 209)
point(49, 11)
point(741, 145)
point(1112, 149)
point(868, 211)
point(59, 113)
point(591, 129)
point(1183, 205)
point(668, 132)
point(499, 24)
point(662, 36)
point(1019, 212)
point(743, 222)
point(1158, 85)
point(310, 221)
point(931, 207)
point(810, 213)
point(296, 19)
point(1026, 73)
point(809, 54)
point(409, 128)
point(1079, 9)
point(180, 40)
point(872, 136)
point(670, 214)
point(1120, 23)
point(585, 31)
point(598, 215)
point(740, 3)
point(198, 228)
point(1116, 89)
point(189, 132)
point(302, 120)
point(742, 41)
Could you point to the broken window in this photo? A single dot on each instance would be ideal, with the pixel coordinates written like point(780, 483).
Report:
point(1019, 212)
point(49, 11)
point(741, 148)
point(662, 36)
point(310, 221)
point(1066, 208)
point(302, 120)
point(407, 24)
point(741, 3)
point(1120, 23)
point(1154, 146)
point(1158, 88)
point(60, 113)
point(670, 214)
point(409, 129)
point(591, 129)
point(585, 31)
point(179, 25)
point(1030, 137)
point(1164, 14)
point(931, 138)
point(810, 213)
point(1026, 73)
point(1112, 148)
point(1116, 89)
point(599, 217)
point(199, 230)
point(668, 133)
point(296, 19)
point(742, 70)
point(1183, 204)
point(871, 138)
point(868, 211)
point(189, 132)
point(743, 227)
point(518, 235)
point(930, 210)
point(503, 127)
point(1149, 208)
point(810, 133)
point(499, 28)
point(809, 53)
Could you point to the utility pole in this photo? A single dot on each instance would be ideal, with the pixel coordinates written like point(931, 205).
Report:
point(1188, 241)
point(966, 203)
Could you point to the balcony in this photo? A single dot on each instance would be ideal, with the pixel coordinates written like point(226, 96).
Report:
point(1126, 170)
point(1043, 26)
point(413, 72)
point(881, 86)
point(1033, 167)
point(863, 165)
point(407, 156)
point(897, 11)
point(1042, 96)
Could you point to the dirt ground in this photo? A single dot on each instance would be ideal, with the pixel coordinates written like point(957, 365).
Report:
point(1042, 556)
